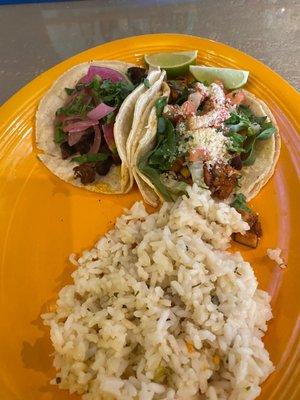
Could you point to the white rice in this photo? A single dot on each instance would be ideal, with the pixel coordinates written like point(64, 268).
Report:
point(159, 310)
point(275, 255)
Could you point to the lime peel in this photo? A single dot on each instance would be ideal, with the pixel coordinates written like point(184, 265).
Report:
point(231, 78)
point(175, 63)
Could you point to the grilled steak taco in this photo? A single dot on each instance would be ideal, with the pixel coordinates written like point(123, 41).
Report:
point(227, 142)
point(84, 120)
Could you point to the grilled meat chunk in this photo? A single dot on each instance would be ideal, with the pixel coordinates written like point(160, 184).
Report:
point(221, 179)
point(136, 75)
point(86, 172)
point(103, 167)
point(66, 150)
point(251, 237)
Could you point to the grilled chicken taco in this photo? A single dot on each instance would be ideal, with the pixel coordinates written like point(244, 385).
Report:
point(225, 141)
point(84, 120)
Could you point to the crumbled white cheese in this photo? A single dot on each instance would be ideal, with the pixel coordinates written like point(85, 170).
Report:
point(212, 141)
point(217, 95)
point(274, 254)
point(212, 118)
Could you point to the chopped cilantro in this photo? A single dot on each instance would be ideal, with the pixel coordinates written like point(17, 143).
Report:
point(109, 119)
point(161, 158)
point(160, 104)
point(240, 204)
point(91, 94)
point(236, 142)
point(166, 151)
point(59, 135)
point(154, 176)
point(254, 128)
point(95, 83)
point(147, 83)
point(90, 158)
point(70, 91)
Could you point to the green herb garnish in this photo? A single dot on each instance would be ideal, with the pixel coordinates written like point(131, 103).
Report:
point(161, 158)
point(154, 176)
point(146, 83)
point(115, 93)
point(240, 204)
point(95, 83)
point(78, 106)
point(85, 158)
point(69, 91)
point(253, 128)
point(160, 104)
point(111, 93)
point(166, 151)
point(236, 142)
point(109, 119)
point(59, 135)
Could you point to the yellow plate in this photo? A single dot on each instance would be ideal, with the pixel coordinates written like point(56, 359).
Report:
point(43, 220)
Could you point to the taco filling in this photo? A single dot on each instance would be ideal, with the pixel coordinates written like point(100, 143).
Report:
point(84, 125)
point(205, 135)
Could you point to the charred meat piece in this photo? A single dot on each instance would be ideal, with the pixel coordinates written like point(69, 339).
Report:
point(103, 167)
point(236, 162)
point(177, 165)
point(136, 75)
point(250, 238)
point(66, 150)
point(84, 145)
point(86, 172)
point(253, 221)
point(179, 91)
point(221, 179)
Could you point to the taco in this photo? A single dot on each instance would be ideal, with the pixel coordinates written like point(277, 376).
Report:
point(224, 141)
point(84, 120)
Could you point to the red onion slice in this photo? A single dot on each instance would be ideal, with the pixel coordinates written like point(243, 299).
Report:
point(80, 125)
point(97, 141)
point(75, 137)
point(104, 73)
point(67, 118)
point(108, 133)
point(100, 111)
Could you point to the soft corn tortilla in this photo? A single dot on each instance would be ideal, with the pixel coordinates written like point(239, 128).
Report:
point(254, 177)
point(144, 144)
point(119, 179)
point(142, 110)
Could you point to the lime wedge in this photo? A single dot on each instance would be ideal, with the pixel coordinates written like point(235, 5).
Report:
point(231, 78)
point(175, 64)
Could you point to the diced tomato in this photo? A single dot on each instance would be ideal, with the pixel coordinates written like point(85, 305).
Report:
point(236, 98)
point(198, 154)
point(188, 108)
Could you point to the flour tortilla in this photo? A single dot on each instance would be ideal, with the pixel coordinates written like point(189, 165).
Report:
point(119, 179)
point(254, 177)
